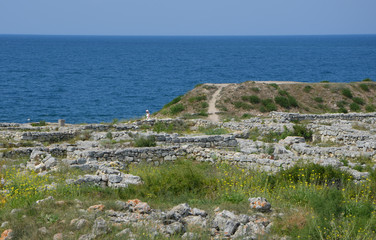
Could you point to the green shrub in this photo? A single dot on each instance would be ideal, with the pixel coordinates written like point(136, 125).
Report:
point(203, 113)
point(282, 101)
point(286, 102)
point(247, 115)
point(370, 108)
point(109, 135)
point(252, 99)
point(358, 100)
point(39, 124)
point(172, 127)
point(307, 89)
point(175, 109)
point(197, 98)
point(274, 85)
point(242, 105)
point(212, 130)
point(204, 105)
point(342, 110)
point(367, 80)
point(347, 93)
point(255, 89)
point(318, 99)
point(341, 104)
point(283, 92)
point(354, 107)
point(364, 87)
point(145, 141)
point(175, 100)
point(302, 131)
point(292, 101)
point(268, 105)
point(324, 81)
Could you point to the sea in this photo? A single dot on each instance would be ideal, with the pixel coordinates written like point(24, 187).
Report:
point(93, 79)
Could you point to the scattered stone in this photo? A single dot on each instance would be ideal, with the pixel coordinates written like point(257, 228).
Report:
point(50, 198)
point(88, 236)
point(100, 227)
point(7, 234)
point(96, 208)
point(259, 204)
point(79, 223)
point(4, 224)
point(124, 233)
point(43, 230)
point(58, 236)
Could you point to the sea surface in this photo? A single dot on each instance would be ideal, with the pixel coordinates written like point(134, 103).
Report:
point(96, 79)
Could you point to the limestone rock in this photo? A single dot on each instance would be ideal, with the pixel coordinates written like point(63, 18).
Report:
point(259, 204)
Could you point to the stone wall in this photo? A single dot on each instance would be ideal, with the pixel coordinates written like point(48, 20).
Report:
point(332, 116)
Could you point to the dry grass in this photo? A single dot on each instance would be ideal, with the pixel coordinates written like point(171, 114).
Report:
point(304, 93)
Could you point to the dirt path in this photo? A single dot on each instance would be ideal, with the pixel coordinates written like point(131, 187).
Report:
point(212, 111)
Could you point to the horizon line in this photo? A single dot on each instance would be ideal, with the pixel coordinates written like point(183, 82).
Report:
point(177, 35)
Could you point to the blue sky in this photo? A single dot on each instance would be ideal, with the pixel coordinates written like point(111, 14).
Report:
point(189, 17)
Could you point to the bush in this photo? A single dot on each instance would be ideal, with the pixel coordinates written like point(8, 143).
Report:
point(242, 105)
point(39, 124)
point(282, 101)
point(370, 108)
point(268, 105)
point(204, 105)
point(197, 98)
point(318, 99)
point(145, 141)
point(324, 81)
point(342, 110)
point(175, 100)
point(341, 104)
point(286, 102)
point(213, 130)
point(347, 93)
point(364, 87)
point(283, 93)
point(307, 89)
point(358, 100)
point(354, 107)
point(255, 89)
point(173, 127)
point(274, 85)
point(175, 109)
point(252, 99)
point(302, 131)
point(367, 80)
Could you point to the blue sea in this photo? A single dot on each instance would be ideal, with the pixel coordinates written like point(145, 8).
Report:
point(96, 79)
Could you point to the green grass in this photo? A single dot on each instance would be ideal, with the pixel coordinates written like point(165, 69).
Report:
point(268, 105)
point(370, 108)
point(364, 87)
point(307, 89)
point(346, 92)
point(174, 101)
point(177, 108)
point(316, 202)
point(318, 99)
point(39, 124)
point(173, 127)
point(213, 130)
point(252, 99)
point(145, 142)
point(354, 107)
point(242, 105)
point(358, 100)
point(197, 98)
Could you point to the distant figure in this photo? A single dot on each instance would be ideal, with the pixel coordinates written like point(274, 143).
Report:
point(147, 115)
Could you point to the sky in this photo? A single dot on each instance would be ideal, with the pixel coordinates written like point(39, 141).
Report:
point(187, 17)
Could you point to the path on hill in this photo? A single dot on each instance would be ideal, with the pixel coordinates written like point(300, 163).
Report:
point(212, 111)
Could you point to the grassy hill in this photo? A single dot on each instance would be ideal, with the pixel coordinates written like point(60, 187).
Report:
point(255, 98)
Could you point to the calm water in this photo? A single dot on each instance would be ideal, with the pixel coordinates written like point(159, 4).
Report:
point(95, 79)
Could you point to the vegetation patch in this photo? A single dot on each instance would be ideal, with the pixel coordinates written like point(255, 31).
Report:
point(145, 141)
point(252, 99)
point(346, 92)
point(177, 108)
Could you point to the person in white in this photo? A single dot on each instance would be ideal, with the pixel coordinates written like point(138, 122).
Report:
point(147, 114)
